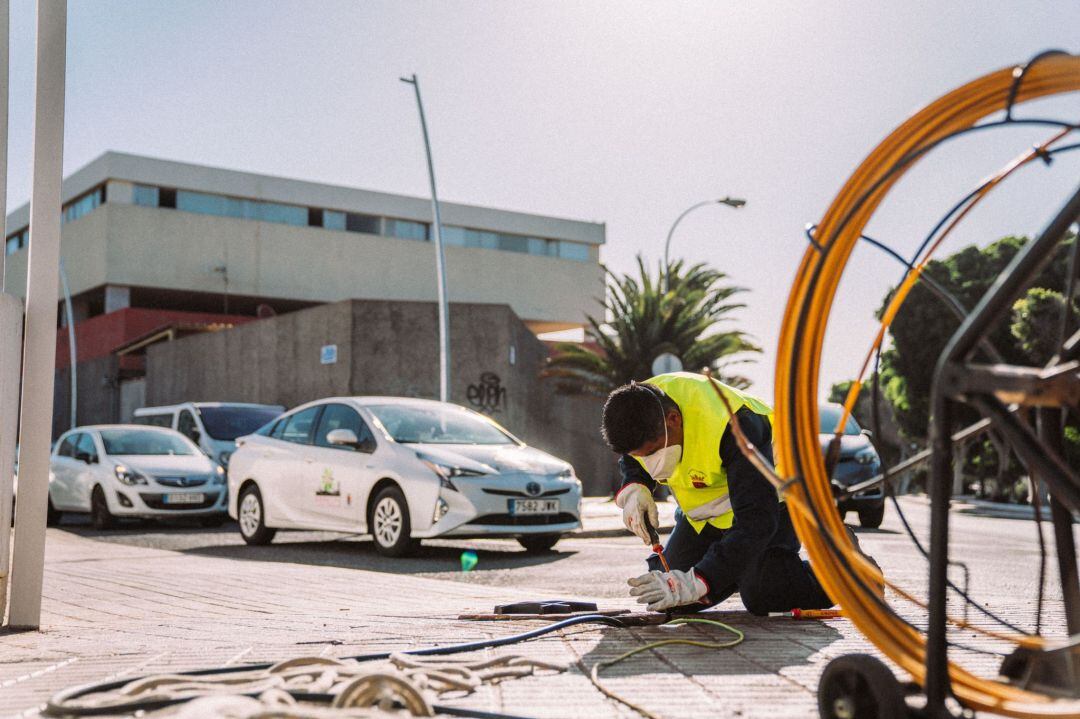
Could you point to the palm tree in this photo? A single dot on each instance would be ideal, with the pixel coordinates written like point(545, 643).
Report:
point(645, 321)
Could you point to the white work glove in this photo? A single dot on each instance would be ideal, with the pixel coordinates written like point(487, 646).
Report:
point(666, 590)
point(636, 501)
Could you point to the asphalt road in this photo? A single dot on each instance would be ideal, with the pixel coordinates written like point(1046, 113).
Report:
point(1002, 556)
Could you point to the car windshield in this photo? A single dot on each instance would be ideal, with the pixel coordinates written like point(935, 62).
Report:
point(830, 417)
point(444, 424)
point(228, 423)
point(144, 441)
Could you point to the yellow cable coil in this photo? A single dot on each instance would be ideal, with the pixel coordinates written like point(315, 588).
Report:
point(961, 108)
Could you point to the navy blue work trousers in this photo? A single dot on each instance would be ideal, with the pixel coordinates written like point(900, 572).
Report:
point(776, 580)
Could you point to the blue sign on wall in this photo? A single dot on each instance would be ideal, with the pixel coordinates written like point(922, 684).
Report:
point(328, 354)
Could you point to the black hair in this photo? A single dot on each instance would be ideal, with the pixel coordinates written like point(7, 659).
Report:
point(634, 415)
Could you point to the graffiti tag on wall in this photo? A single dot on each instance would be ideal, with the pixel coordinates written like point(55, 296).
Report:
point(488, 395)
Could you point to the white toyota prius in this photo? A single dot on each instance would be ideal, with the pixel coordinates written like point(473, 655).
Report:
point(401, 470)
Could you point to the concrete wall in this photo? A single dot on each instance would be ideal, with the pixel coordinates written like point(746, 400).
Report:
point(99, 394)
point(389, 348)
point(150, 247)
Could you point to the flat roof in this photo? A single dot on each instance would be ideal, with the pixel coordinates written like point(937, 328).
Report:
point(187, 176)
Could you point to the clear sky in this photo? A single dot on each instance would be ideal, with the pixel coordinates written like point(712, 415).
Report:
point(621, 112)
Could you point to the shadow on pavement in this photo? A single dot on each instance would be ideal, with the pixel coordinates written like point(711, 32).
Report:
point(355, 554)
point(331, 549)
point(769, 646)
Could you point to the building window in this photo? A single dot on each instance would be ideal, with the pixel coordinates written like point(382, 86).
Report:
point(452, 235)
point(406, 229)
point(479, 238)
point(573, 251)
point(513, 243)
point(203, 204)
point(206, 204)
point(14, 243)
point(281, 214)
point(84, 205)
point(368, 224)
point(542, 247)
point(145, 196)
point(222, 206)
point(333, 220)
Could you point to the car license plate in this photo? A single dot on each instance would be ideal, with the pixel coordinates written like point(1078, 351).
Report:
point(185, 498)
point(534, 506)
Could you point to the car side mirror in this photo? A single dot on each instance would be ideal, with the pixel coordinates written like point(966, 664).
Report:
point(342, 438)
point(868, 434)
point(85, 457)
point(195, 436)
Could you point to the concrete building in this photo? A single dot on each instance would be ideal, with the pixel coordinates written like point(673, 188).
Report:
point(361, 347)
point(208, 247)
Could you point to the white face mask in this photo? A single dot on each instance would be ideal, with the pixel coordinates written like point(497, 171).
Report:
point(661, 463)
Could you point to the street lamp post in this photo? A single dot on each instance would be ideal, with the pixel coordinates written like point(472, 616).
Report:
point(733, 202)
point(72, 351)
point(440, 258)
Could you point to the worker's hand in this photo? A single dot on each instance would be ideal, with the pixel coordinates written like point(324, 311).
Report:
point(636, 502)
point(666, 590)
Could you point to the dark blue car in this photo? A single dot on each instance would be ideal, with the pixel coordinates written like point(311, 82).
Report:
point(858, 461)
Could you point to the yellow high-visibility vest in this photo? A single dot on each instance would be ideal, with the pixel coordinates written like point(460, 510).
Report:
point(700, 479)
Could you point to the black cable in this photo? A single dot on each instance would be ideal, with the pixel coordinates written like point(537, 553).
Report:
point(58, 705)
point(1019, 73)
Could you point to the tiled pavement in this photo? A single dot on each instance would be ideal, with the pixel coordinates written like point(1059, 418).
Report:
point(114, 610)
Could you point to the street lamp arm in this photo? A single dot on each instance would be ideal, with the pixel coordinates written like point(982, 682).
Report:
point(729, 201)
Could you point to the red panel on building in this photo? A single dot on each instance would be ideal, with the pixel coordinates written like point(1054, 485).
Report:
point(100, 336)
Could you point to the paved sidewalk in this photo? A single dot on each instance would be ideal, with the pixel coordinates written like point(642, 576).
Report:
point(113, 611)
point(969, 504)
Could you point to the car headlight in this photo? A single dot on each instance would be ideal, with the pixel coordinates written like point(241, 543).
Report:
point(218, 476)
point(129, 476)
point(867, 456)
point(567, 475)
point(445, 473)
point(223, 459)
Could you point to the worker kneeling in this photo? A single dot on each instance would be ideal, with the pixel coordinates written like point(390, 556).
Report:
point(732, 532)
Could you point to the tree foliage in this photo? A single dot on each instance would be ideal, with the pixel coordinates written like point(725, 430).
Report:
point(642, 320)
point(923, 326)
point(1036, 323)
point(921, 329)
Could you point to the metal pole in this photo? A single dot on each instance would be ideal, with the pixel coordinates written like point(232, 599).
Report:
point(39, 349)
point(10, 337)
point(11, 321)
point(72, 353)
point(729, 201)
point(440, 258)
point(4, 43)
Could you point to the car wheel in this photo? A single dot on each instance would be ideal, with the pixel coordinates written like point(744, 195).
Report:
point(537, 543)
point(252, 517)
point(871, 517)
point(53, 517)
point(100, 515)
point(389, 524)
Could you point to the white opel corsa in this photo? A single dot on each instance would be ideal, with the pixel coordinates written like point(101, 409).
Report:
point(120, 470)
point(401, 470)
